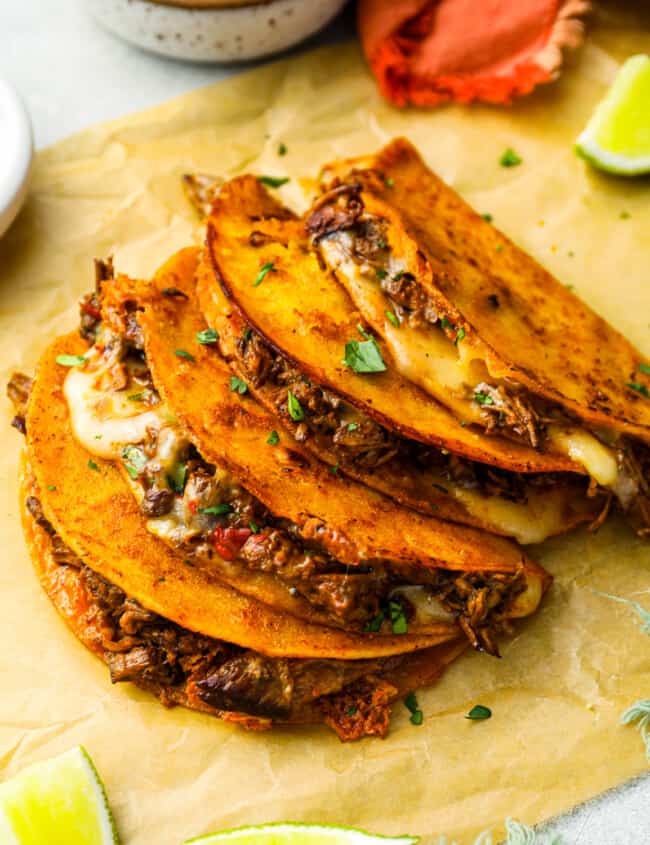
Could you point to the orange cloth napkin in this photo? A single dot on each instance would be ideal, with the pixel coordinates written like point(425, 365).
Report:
point(426, 52)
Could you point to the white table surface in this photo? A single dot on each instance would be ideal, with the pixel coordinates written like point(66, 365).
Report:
point(71, 74)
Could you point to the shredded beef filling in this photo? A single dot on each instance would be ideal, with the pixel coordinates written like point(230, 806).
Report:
point(158, 655)
point(18, 390)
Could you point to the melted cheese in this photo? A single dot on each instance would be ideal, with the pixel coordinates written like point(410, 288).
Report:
point(448, 372)
point(584, 448)
point(103, 421)
point(424, 355)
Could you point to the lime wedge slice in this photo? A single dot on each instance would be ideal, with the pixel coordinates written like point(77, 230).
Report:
point(59, 801)
point(617, 138)
point(294, 833)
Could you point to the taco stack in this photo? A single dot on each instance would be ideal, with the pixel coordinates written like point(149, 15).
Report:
point(257, 486)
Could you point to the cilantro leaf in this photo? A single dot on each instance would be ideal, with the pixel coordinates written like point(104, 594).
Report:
point(295, 408)
point(269, 267)
point(177, 477)
point(217, 510)
point(483, 399)
point(282, 149)
point(93, 465)
point(398, 619)
point(392, 317)
point(509, 158)
point(644, 368)
point(364, 356)
point(273, 181)
point(181, 353)
point(254, 527)
point(487, 217)
point(71, 360)
point(479, 712)
point(459, 335)
point(207, 337)
point(238, 386)
point(134, 460)
point(273, 438)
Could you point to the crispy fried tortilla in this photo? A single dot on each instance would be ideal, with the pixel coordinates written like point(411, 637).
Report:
point(308, 319)
point(92, 509)
point(182, 667)
point(294, 325)
point(479, 325)
point(357, 525)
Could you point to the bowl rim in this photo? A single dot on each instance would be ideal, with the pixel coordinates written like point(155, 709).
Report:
point(209, 5)
point(17, 154)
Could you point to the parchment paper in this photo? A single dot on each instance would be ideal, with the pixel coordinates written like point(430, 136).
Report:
point(564, 679)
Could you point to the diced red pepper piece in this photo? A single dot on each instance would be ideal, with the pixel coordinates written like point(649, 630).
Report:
point(228, 541)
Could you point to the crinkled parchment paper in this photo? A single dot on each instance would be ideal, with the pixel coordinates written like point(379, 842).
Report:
point(556, 696)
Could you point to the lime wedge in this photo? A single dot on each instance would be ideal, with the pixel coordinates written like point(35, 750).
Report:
point(59, 801)
point(617, 138)
point(294, 833)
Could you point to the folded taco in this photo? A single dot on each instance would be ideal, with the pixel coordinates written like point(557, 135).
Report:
point(159, 621)
point(480, 326)
point(294, 335)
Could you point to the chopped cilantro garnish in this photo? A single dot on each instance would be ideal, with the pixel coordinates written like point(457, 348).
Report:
point(487, 217)
point(446, 324)
point(398, 275)
point(351, 710)
point(294, 407)
point(207, 337)
point(282, 149)
point(460, 335)
point(254, 527)
point(247, 333)
point(479, 712)
point(134, 460)
point(273, 181)
point(71, 360)
point(217, 510)
point(238, 386)
point(138, 397)
point(375, 624)
point(181, 353)
point(570, 287)
point(483, 399)
point(644, 368)
point(509, 158)
point(499, 247)
point(392, 317)
point(389, 182)
point(381, 243)
point(640, 388)
point(269, 267)
point(364, 356)
point(51, 487)
point(381, 274)
point(334, 469)
point(411, 704)
point(93, 465)
point(353, 426)
point(177, 478)
point(397, 617)
point(273, 438)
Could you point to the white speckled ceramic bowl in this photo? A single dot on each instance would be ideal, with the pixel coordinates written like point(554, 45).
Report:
point(16, 151)
point(214, 30)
